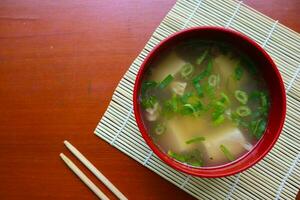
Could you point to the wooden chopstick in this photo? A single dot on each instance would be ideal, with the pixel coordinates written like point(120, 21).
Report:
point(83, 177)
point(94, 170)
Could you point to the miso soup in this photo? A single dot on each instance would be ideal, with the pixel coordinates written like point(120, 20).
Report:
point(204, 103)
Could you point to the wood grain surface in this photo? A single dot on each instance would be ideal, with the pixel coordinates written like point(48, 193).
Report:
point(60, 61)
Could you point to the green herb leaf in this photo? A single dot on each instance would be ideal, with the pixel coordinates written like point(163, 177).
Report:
point(195, 140)
point(167, 80)
point(227, 153)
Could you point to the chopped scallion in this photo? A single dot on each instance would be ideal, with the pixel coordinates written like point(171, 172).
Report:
point(187, 70)
point(257, 128)
point(213, 80)
point(204, 73)
point(176, 156)
point(243, 111)
point(241, 96)
point(160, 129)
point(226, 152)
point(167, 80)
point(219, 120)
point(202, 58)
point(189, 106)
point(225, 98)
point(195, 140)
point(198, 88)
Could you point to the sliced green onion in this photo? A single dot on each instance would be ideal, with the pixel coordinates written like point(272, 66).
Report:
point(241, 96)
point(205, 72)
point(235, 118)
point(225, 98)
point(187, 109)
point(264, 104)
point(243, 111)
point(160, 129)
point(176, 156)
point(148, 102)
point(209, 91)
point(257, 128)
point(218, 112)
point(264, 100)
point(190, 106)
point(219, 109)
point(201, 58)
point(238, 72)
point(184, 98)
point(198, 88)
point(198, 106)
point(219, 120)
point(195, 140)
point(209, 67)
point(171, 105)
point(212, 80)
point(167, 80)
point(227, 153)
point(187, 70)
point(196, 163)
point(146, 86)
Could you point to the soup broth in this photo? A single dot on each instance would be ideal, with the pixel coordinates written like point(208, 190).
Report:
point(204, 103)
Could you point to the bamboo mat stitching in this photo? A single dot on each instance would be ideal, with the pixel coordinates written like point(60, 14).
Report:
point(122, 127)
point(147, 158)
point(232, 189)
point(288, 174)
point(293, 79)
point(185, 181)
point(192, 15)
point(234, 14)
point(270, 34)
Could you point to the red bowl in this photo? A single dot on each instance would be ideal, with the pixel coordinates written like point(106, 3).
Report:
point(270, 74)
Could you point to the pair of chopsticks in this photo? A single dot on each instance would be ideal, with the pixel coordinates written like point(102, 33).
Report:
point(93, 169)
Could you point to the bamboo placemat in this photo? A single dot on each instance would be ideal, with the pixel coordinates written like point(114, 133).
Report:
point(277, 176)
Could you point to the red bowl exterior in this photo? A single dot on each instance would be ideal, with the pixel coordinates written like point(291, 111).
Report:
point(274, 83)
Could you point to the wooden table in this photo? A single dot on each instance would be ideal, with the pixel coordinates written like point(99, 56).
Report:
point(59, 64)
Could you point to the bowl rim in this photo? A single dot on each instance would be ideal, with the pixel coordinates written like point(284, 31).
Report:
point(200, 172)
